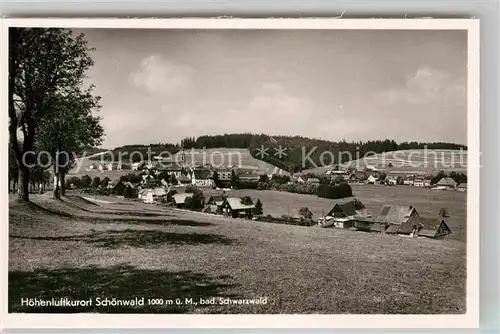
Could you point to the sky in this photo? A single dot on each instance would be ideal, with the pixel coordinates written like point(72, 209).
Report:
point(164, 85)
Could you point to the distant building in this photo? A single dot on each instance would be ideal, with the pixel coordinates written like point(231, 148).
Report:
point(419, 183)
point(462, 187)
point(446, 182)
point(154, 195)
point(371, 179)
point(179, 200)
point(183, 179)
point(202, 178)
point(224, 174)
point(215, 203)
point(234, 207)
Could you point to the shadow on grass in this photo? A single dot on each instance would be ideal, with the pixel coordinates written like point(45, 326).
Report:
point(139, 238)
point(121, 282)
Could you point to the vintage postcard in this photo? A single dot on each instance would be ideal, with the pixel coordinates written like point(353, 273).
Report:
point(240, 173)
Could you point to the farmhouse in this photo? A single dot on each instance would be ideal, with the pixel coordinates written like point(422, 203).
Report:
point(179, 200)
point(202, 178)
point(141, 194)
point(425, 227)
point(343, 214)
point(447, 182)
point(462, 187)
point(235, 207)
point(393, 216)
point(136, 165)
point(214, 204)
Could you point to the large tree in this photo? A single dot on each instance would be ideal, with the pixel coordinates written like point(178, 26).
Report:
point(43, 63)
point(71, 128)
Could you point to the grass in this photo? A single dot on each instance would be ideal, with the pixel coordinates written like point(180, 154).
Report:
point(298, 269)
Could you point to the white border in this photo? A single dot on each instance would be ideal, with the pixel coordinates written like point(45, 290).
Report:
point(469, 320)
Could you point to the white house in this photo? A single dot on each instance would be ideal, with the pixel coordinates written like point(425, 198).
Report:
point(371, 179)
point(135, 165)
point(419, 183)
point(202, 178)
point(153, 195)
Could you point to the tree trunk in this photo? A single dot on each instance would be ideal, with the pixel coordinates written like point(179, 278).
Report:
point(55, 191)
point(23, 187)
point(62, 178)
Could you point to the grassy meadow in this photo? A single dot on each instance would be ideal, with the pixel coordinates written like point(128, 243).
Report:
point(125, 249)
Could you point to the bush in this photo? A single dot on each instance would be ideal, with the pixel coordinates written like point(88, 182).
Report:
point(339, 191)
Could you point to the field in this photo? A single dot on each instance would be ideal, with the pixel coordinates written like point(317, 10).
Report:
point(407, 161)
point(217, 157)
point(126, 249)
point(427, 202)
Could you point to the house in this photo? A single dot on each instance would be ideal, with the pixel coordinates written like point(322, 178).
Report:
point(154, 195)
point(391, 180)
point(215, 203)
point(236, 208)
point(100, 167)
point(446, 182)
point(342, 214)
point(179, 200)
point(427, 183)
point(462, 187)
point(224, 174)
point(136, 165)
point(408, 181)
point(371, 179)
point(430, 227)
point(393, 216)
point(114, 166)
point(202, 178)
point(174, 169)
point(249, 178)
point(418, 182)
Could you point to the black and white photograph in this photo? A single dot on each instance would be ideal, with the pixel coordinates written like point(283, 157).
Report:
point(240, 171)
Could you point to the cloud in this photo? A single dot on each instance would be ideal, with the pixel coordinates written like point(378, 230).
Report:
point(426, 85)
point(158, 75)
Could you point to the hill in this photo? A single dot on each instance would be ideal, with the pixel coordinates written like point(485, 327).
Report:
point(289, 153)
point(408, 161)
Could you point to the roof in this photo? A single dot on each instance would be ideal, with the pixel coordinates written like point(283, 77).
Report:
point(202, 174)
point(142, 191)
point(181, 198)
point(462, 185)
point(428, 225)
point(350, 208)
point(235, 204)
point(218, 200)
point(183, 178)
point(393, 214)
point(159, 191)
point(447, 181)
point(313, 180)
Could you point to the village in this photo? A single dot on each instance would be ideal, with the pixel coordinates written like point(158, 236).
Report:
point(208, 189)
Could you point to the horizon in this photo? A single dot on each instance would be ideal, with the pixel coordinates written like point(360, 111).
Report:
point(165, 85)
